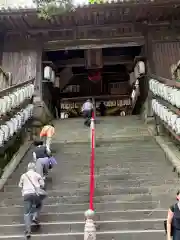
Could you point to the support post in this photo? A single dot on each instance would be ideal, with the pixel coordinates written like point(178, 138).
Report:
point(90, 227)
point(157, 127)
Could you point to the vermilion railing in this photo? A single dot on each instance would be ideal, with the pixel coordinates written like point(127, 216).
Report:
point(92, 164)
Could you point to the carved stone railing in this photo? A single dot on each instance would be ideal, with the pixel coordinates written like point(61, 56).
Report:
point(16, 111)
point(165, 95)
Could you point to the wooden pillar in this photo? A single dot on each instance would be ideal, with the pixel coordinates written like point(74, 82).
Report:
point(150, 65)
point(93, 58)
point(1, 47)
point(38, 82)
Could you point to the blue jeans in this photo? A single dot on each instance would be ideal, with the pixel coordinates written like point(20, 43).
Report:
point(42, 166)
point(32, 207)
point(87, 116)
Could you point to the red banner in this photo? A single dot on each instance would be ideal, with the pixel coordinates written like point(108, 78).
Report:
point(95, 77)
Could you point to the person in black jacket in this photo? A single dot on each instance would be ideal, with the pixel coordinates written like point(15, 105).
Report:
point(102, 109)
point(41, 156)
point(173, 220)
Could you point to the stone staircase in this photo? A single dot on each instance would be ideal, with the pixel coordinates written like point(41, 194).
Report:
point(134, 185)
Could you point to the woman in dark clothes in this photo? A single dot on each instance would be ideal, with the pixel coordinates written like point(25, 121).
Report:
point(173, 220)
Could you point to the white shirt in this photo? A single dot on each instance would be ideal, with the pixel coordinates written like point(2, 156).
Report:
point(87, 106)
point(26, 185)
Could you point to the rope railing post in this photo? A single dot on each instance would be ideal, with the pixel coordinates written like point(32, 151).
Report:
point(90, 228)
point(92, 129)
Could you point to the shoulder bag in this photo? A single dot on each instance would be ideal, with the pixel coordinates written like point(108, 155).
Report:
point(39, 191)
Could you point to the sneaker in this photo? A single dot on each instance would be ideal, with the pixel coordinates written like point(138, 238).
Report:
point(28, 235)
point(35, 221)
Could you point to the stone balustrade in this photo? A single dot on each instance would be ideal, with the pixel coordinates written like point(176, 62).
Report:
point(165, 105)
point(16, 110)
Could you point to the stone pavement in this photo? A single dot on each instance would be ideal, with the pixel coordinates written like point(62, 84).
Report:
point(134, 185)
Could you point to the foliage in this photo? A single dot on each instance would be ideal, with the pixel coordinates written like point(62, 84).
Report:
point(96, 1)
point(48, 8)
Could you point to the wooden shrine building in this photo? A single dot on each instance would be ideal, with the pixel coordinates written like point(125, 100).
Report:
point(93, 49)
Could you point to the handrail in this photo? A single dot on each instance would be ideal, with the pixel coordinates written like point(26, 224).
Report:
point(9, 89)
point(167, 104)
point(90, 228)
point(169, 82)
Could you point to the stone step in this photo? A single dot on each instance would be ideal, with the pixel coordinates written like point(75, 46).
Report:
point(79, 216)
point(80, 199)
point(101, 163)
point(135, 186)
point(82, 172)
point(103, 184)
point(85, 191)
point(162, 198)
point(119, 168)
point(125, 193)
point(63, 208)
point(75, 227)
point(111, 235)
point(83, 179)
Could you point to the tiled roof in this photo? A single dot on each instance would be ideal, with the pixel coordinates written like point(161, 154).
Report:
point(30, 8)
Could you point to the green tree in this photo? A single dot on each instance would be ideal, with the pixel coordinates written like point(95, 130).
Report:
point(48, 8)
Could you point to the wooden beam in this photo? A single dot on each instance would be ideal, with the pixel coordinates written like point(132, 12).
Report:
point(104, 97)
point(104, 63)
point(93, 43)
point(123, 28)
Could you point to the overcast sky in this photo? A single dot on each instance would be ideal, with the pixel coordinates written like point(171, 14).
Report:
point(11, 3)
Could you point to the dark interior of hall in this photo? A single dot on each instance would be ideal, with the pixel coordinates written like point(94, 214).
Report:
point(116, 65)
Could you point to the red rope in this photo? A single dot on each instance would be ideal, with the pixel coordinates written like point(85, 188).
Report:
point(92, 165)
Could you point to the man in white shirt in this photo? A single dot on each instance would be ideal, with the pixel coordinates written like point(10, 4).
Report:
point(87, 109)
point(29, 183)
